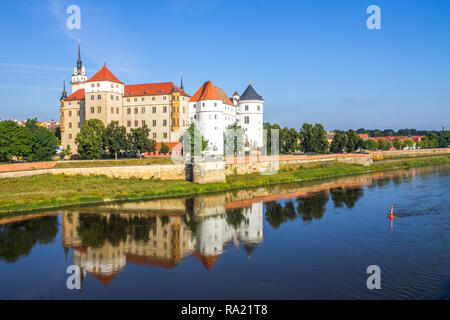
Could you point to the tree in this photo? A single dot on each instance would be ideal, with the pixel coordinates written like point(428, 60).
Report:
point(408, 143)
point(196, 139)
point(354, 142)
point(288, 140)
point(90, 140)
point(314, 138)
point(164, 149)
point(371, 145)
point(115, 138)
point(139, 142)
point(268, 136)
point(398, 144)
point(45, 144)
point(423, 143)
point(433, 139)
point(66, 153)
point(15, 141)
point(234, 139)
point(339, 142)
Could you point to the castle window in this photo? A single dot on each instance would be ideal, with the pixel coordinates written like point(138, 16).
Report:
point(143, 110)
point(184, 110)
point(92, 85)
point(112, 85)
point(117, 86)
point(143, 122)
point(164, 98)
point(92, 109)
point(259, 108)
point(136, 123)
point(92, 97)
point(117, 98)
point(78, 112)
point(112, 97)
point(79, 125)
point(154, 123)
point(128, 99)
point(165, 109)
point(135, 99)
point(164, 123)
point(247, 120)
point(128, 124)
point(129, 111)
point(112, 110)
point(215, 117)
point(99, 109)
point(165, 135)
point(98, 85)
point(70, 125)
point(136, 110)
point(142, 99)
point(70, 113)
point(70, 136)
point(154, 109)
point(99, 97)
point(154, 135)
point(203, 104)
point(215, 104)
point(153, 98)
point(117, 110)
point(246, 108)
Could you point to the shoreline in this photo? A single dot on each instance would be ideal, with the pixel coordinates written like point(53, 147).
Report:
point(103, 190)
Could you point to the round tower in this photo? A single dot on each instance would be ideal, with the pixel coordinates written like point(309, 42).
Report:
point(251, 107)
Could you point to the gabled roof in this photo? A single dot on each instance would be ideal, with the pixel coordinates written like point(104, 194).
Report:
point(209, 92)
point(76, 96)
point(104, 75)
point(150, 89)
point(251, 94)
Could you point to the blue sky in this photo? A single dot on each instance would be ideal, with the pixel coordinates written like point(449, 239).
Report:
point(312, 61)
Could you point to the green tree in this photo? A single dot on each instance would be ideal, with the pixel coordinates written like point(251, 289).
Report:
point(371, 145)
point(234, 139)
point(115, 138)
point(45, 144)
point(288, 140)
point(339, 142)
point(139, 142)
point(408, 143)
point(313, 138)
point(90, 140)
point(196, 139)
point(423, 143)
point(384, 144)
point(354, 142)
point(15, 141)
point(398, 144)
point(164, 149)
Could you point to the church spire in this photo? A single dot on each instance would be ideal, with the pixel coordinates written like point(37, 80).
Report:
point(181, 86)
point(79, 62)
point(64, 93)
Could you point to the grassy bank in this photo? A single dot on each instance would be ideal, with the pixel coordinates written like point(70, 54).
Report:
point(113, 163)
point(53, 191)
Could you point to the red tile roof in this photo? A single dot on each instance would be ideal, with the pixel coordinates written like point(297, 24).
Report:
point(104, 75)
point(150, 89)
point(209, 92)
point(76, 96)
point(105, 279)
point(208, 261)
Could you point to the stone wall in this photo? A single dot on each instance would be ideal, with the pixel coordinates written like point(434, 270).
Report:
point(27, 166)
point(209, 172)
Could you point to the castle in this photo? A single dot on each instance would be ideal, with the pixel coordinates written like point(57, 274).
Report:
point(164, 107)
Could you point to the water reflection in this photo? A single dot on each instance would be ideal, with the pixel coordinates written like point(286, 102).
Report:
point(161, 233)
point(103, 243)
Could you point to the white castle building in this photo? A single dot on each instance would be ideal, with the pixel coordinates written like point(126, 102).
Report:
point(213, 112)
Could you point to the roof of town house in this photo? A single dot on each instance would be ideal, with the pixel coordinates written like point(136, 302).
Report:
point(151, 89)
point(209, 92)
point(76, 96)
point(104, 75)
point(250, 94)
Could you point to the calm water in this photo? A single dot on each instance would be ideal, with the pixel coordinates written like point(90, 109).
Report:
point(301, 241)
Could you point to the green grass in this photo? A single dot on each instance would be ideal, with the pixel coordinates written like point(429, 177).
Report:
point(114, 163)
point(53, 191)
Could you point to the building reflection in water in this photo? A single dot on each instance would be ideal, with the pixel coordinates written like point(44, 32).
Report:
point(104, 242)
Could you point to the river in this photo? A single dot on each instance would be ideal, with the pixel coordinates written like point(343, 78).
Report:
point(301, 241)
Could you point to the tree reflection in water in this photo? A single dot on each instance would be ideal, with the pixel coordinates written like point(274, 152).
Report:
point(17, 239)
point(347, 197)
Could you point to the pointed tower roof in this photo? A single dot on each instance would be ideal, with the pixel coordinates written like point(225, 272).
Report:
point(79, 62)
point(209, 92)
point(64, 93)
point(181, 85)
point(207, 261)
point(104, 75)
point(250, 94)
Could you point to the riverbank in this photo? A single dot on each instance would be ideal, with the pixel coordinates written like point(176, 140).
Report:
point(55, 191)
